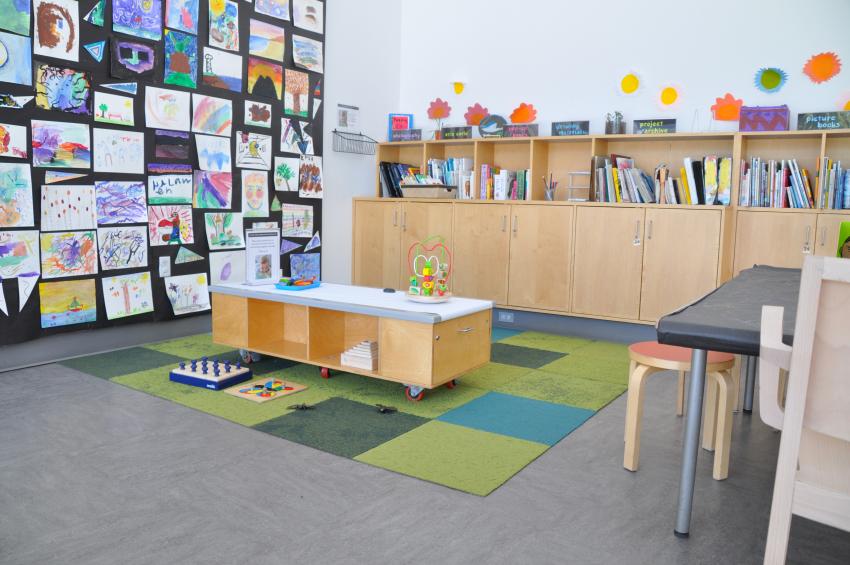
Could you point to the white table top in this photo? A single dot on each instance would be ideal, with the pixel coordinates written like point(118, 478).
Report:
point(361, 300)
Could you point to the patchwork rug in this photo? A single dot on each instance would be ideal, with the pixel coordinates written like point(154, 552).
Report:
point(536, 390)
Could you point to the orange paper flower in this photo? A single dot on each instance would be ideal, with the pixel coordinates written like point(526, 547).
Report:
point(439, 109)
point(523, 114)
point(727, 109)
point(475, 113)
point(822, 67)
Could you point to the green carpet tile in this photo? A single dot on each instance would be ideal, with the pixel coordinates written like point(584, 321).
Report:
point(114, 363)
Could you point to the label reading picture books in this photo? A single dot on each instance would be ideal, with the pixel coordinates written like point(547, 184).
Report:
point(461, 132)
point(406, 135)
point(823, 120)
point(571, 128)
point(520, 130)
point(667, 125)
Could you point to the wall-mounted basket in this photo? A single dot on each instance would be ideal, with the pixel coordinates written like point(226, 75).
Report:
point(346, 142)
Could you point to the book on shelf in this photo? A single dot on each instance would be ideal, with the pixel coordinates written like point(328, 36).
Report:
point(392, 176)
point(833, 185)
point(774, 183)
point(503, 184)
point(448, 172)
point(364, 355)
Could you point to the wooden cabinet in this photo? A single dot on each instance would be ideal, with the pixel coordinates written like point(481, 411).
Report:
point(779, 239)
point(608, 259)
point(829, 226)
point(481, 251)
point(680, 259)
point(419, 221)
point(540, 256)
point(376, 245)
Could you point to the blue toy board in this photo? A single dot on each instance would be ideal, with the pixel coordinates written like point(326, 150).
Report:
point(225, 379)
point(305, 287)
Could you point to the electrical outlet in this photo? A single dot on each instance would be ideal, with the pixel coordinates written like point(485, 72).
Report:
point(506, 317)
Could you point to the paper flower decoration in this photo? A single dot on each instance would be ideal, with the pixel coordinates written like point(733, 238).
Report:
point(439, 109)
point(727, 109)
point(770, 79)
point(822, 67)
point(475, 113)
point(523, 114)
point(630, 83)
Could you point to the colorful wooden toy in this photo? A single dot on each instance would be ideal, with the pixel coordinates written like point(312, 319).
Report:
point(429, 262)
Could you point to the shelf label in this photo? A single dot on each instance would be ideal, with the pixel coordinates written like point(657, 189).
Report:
point(459, 132)
point(571, 128)
point(520, 130)
point(823, 120)
point(406, 135)
point(667, 125)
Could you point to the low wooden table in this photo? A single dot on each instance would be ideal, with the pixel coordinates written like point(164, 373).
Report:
point(422, 346)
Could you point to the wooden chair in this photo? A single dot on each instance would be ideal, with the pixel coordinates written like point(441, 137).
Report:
point(813, 467)
point(650, 357)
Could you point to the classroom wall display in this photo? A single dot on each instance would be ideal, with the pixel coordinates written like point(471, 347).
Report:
point(310, 177)
point(129, 118)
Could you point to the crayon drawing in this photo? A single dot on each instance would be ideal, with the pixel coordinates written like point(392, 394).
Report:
point(222, 69)
point(264, 78)
point(224, 230)
point(66, 303)
point(66, 90)
point(56, 32)
point(171, 144)
point(170, 225)
point(119, 151)
point(309, 15)
point(170, 189)
point(227, 267)
point(13, 141)
point(266, 40)
point(224, 24)
point(296, 220)
point(16, 209)
point(305, 265)
point(213, 153)
point(307, 53)
point(310, 177)
point(258, 114)
point(132, 59)
point(16, 16)
point(68, 254)
point(68, 207)
point(211, 115)
point(60, 145)
point(275, 8)
point(255, 194)
point(253, 150)
point(181, 59)
point(113, 109)
point(182, 15)
point(212, 190)
point(286, 173)
point(120, 202)
point(167, 109)
point(123, 247)
point(141, 18)
point(296, 100)
point(188, 293)
point(17, 69)
point(127, 295)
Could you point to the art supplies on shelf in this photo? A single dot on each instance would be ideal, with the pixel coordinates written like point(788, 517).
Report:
point(364, 356)
point(833, 185)
point(503, 184)
point(391, 177)
point(774, 184)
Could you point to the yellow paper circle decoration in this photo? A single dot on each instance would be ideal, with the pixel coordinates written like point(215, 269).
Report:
point(630, 83)
point(669, 95)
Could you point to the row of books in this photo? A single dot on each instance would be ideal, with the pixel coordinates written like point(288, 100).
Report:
point(833, 185)
point(503, 184)
point(392, 176)
point(449, 171)
point(775, 184)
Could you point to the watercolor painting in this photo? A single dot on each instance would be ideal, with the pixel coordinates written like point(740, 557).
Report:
point(188, 293)
point(182, 15)
point(56, 32)
point(275, 8)
point(66, 303)
point(68, 207)
point(296, 220)
point(119, 151)
point(309, 15)
point(19, 254)
point(212, 190)
point(16, 209)
point(120, 202)
point(52, 177)
point(770, 79)
point(224, 24)
point(13, 141)
point(170, 225)
point(170, 189)
point(258, 114)
point(211, 115)
point(265, 78)
point(186, 255)
point(17, 69)
point(297, 98)
point(68, 254)
point(66, 90)
point(95, 16)
point(170, 168)
point(114, 109)
point(253, 150)
point(822, 67)
point(123, 247)
point(171, 144)
point(16, 16)
point(224, 230)
point(266, 40)
point(305, 265)
point(60, 145)
point(310, 177)
point(213, 153)
point(255, 194)
point(222, 69)
point(141, 18)
point(286, 173)
point(227, 267)
point(132, 59)
point(125, 87)
point(127, 295)
point(307, 54)
point(167, 109)
point(181, 59)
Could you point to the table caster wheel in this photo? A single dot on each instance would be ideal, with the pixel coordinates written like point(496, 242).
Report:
point(326, 373)
point(414, 393)
point(451, 384)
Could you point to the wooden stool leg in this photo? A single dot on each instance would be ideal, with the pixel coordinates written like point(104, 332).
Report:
point(709, 415)
point(725, 403)
point(634, 414)
point(632, 366)
point(680, 398)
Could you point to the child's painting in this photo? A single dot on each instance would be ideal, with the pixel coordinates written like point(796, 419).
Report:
point(132, 59)
point(141, 18)
point(167, 109)
point(258, 114)
point(296, 100)
point(67, 207)
point(188, 293)
point(113, 109)
point(305, 265)
point(60, 145)
point(296, 220)
point(171, 144)
point(253, 150)
point(255, 194)
point(17, 69)
point(170, 225)
point(56, 32)
point(212, 190)
point(224, 230)
point(213, 153)
point(13, 141)
point(127, 295)
point(181, 59)
point(119, 151)
point(227, 267)
point(123, 247)
point(65, 303)
point(275, 8)
point(224, 24)
point(286, 173)
point(182, 15)
point(16, 209)
point(120, 202)
point(307, 53)
point(222, 69)
point(19, 254)
point(310, 177)
point(186, 255)
point(309, 15)
point(211, 115)
point(844, 240)
point(295, 137)
point(265, 78)
point(170, 189)
point(68, 254)
point(170, 168)
point(266, 40)
point(16, 16)
point(66, 90)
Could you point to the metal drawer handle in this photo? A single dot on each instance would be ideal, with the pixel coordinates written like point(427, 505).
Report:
point(466, 330)
point(504, 223)
point(636, 240)
point(395, 218)
point(649, 230)
point(807, 245)
point(823, 236)
point(516, 224)
point(404, 221)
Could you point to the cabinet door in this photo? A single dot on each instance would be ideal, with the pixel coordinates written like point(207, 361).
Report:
point(779, 239)
point(541, 256)
point(607, 261)
point(376, 244)
point(829, 228)
point(481, 251)
point(680, 257)
point(420, 221)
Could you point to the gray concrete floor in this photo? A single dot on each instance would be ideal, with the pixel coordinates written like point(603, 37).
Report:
point(92, 472)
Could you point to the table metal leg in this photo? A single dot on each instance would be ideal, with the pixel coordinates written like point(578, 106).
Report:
point(690, 448)
point(750, 387)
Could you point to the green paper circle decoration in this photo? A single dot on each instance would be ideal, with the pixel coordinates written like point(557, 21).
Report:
point(770, 79)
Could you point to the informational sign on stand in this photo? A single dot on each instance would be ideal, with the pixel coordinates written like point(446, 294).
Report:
point(262, 256)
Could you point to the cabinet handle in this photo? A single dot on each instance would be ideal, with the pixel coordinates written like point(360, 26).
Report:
point(649, 230)
point(404, 221)
point(395, 218)
point(516, 224)
point(466, 330)
point(636, 240)
point(807, 244)
point(504, 223)
point(823, 236)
